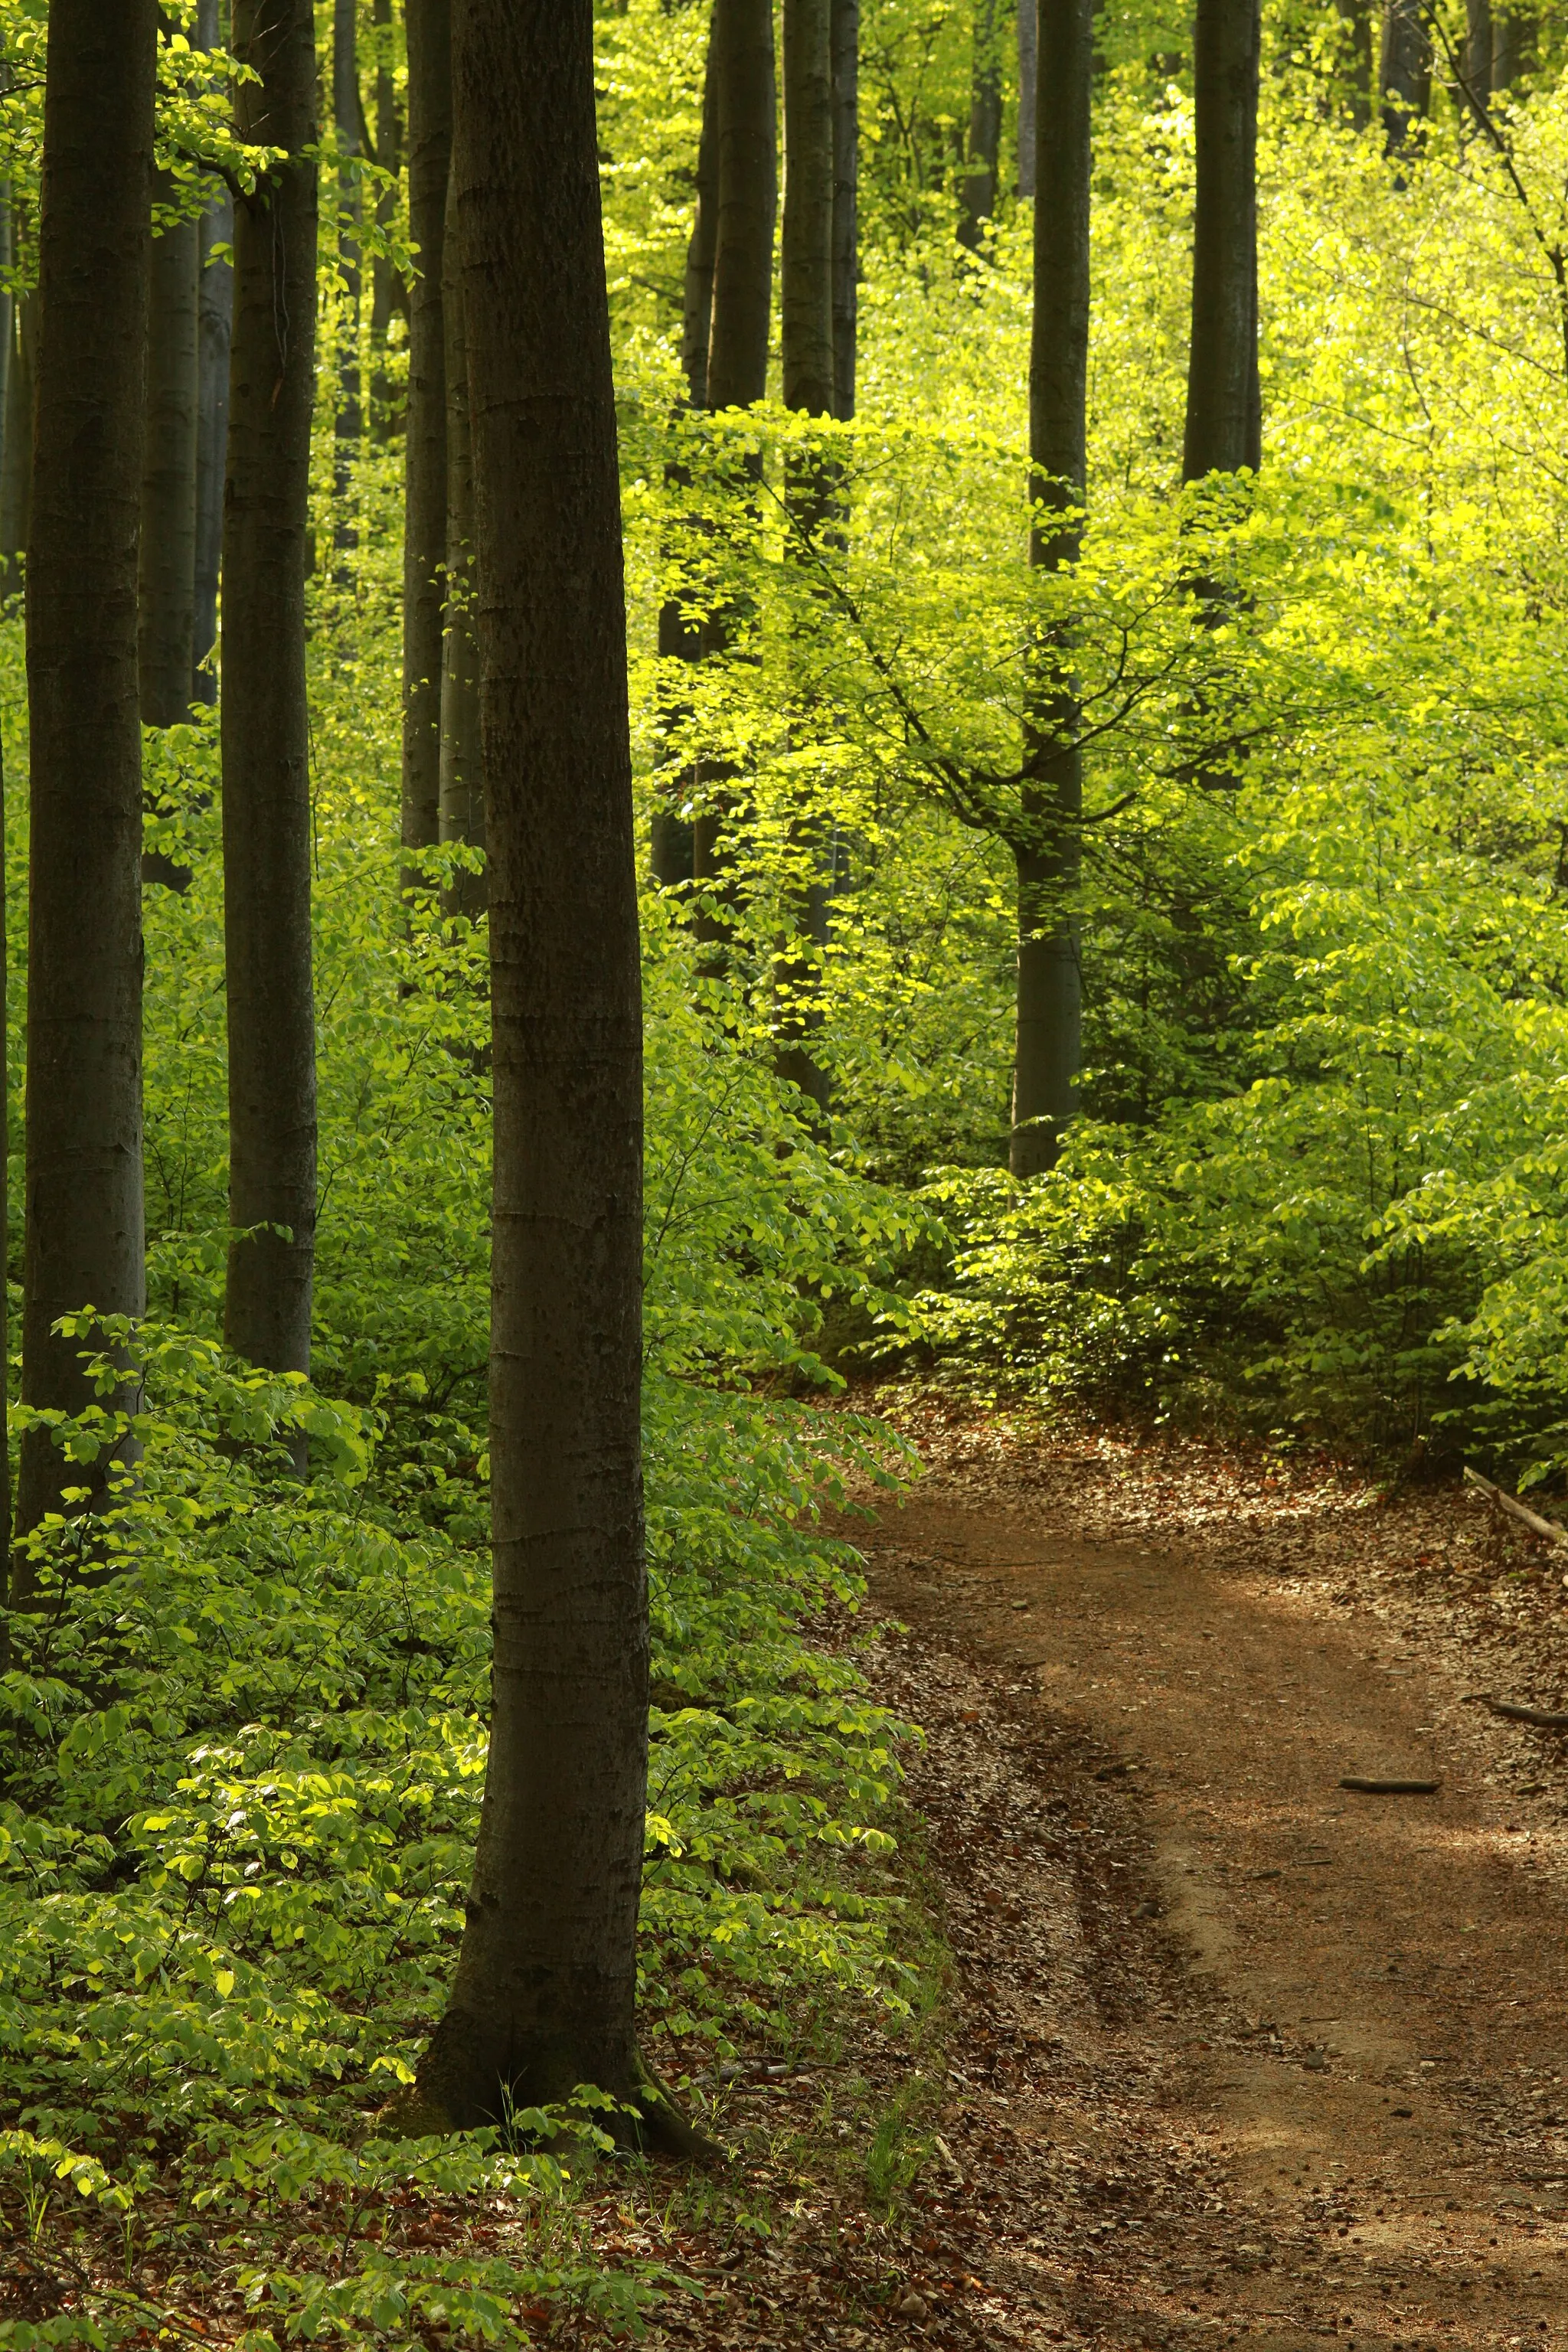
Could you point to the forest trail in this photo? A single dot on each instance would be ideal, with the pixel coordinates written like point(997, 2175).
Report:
point(1241, 2056)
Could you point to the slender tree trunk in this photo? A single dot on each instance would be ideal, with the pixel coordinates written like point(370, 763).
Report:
point(846, 202)
point(680, 636)
point(1224, 426)
point(167, 584)
point(264, 719)
point(462, 757)
point(1048, 1050)
point(84, 1199)
point(1406, 74)
point(346, 118)
point(1513, 43)
point(7, 315)
point(977, 192)
point(1028, 75)
point(429, 32)
point(545, 1993)
point(1356, 15)
point(215, 322)
point(1477, 50)
point(16, 459)
point(746, 103)
point(386, 286)
point(748, 202)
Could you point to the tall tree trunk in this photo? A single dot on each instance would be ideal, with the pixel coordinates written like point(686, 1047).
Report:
point(1048, 1050)
point(1029, 77)
point(543, 1997)
point(385, 285)
point(462, 755)
point(429, 31)
point(680, 634)
point(977, 192)
point(264, 719)
point(84, 1199)
point(1513, 44)
point(1355, 18)
point(1406, 73)
point(17, 458)
point(1477, 50)
point(346, 120)
point(1224, 425)
point(846, 202)
point(215, 320)
point(747, 105)
point(745, 98)
point(167, 581)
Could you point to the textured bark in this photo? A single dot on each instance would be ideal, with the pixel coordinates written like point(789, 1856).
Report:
point(1224, 423)
point(680, 634)
point(743, 40)
point(1513, 43)
point(84, 1197)
point(166, 588)
point(846, 202)
point(16, 459)
point(346, 121)
point(543, 1994)
point(1405, 71)
point(1478, 49)
point(807, 291)
point(428, 24)
point(1356, 15)
point(1047, 1051)
point(215, 322)
point(386, 287)
point(1028, 75)
point(265, 721)
point(462, 813)
point(977, 189)
point(7, 328)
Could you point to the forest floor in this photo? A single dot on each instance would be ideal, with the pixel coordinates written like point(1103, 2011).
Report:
point(1229, 2054)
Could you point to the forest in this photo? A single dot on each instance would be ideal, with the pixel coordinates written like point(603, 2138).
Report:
point(732, 728)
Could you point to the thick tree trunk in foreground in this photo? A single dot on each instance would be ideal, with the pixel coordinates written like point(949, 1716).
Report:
point(462, 752)
point(681, 633)
point(1048, 1052)
point(84, 1200)
point(167, 577)
point(543, 1997)
point(1028, 78)
point(1405, 71)
point(16, 459)
point(265, 722)
point(1224, 425)
point(429, 29)
point(215, 323)
point(977, 191)
point(846, 202)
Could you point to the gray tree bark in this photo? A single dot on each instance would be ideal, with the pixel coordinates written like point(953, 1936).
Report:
point(846, 204)
point(1514, 41)
point(166, 587)
point(1224, 417)
point(385, 286)
point(1406, 70)
point(17, 458)
point(429, 32)
point(215, 322)
point(977, 189)
point(1356, 15)
point(265, 723)
point(543, 1996)
point(745, 98)
point(462, 810)
point(1028, 53)
point(1478, 49)
point(85, 1229)
point(346, 118)
point(1047, 1053)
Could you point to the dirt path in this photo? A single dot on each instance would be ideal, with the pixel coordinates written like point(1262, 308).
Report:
point(1247, 2058)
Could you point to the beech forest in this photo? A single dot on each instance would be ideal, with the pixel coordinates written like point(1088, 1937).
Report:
point(784, 1000)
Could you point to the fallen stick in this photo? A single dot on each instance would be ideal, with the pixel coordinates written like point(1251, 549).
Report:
point(1544, 1717)
point(1391, 1788)
point(1516, 1509)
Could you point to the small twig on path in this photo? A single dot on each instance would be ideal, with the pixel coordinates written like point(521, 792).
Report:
point(1545, 1718)
point(1515, 1509)
point(1391, 1788)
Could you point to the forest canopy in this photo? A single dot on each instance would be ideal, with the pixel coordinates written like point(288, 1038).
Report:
point(702, 703)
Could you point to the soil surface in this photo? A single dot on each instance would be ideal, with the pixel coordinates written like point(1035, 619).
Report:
point(1239, 2056)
